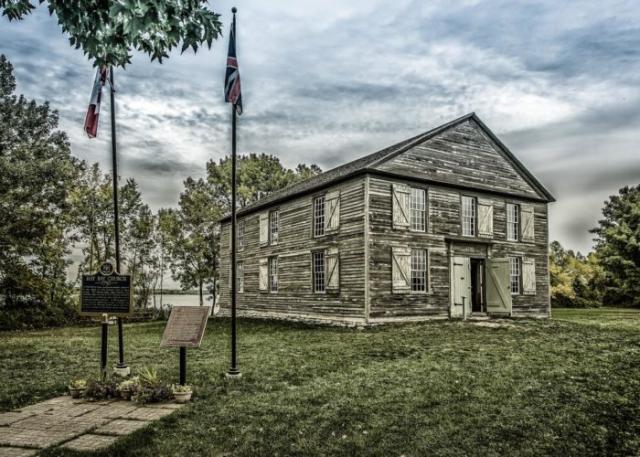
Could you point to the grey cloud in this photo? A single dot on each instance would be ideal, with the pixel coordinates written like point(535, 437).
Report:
point(559, 87)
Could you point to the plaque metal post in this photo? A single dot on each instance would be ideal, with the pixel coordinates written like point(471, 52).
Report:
point(183, 365)
point(103, 349)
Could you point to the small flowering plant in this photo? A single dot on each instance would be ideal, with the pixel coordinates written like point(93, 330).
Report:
point(181, 388)
point(77, 387)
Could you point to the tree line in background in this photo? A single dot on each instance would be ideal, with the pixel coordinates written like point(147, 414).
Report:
point(610, 275)
point(52, 202)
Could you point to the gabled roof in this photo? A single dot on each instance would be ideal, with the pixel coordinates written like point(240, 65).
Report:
point(368, 163)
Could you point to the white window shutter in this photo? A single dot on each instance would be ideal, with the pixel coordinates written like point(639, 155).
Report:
point(264, 274)
point(527, 224)
point(264, 228)
point(485, 218)
point(400, 269)
point(332, 211)
point(400, 206)
point(529, 276)
point(333, 269)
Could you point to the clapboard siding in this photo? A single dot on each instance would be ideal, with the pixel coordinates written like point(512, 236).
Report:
point(443, 235)
point(295, 294)
point(463, 155)
point(459, 158)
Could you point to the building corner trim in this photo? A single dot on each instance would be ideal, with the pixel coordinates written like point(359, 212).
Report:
point(367, 297)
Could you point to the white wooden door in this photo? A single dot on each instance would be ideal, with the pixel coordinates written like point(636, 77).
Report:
point(461, 287)
point(498, 287)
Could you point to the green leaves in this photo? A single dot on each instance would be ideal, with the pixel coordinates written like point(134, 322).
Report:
point(618, 246)
point(107, 32)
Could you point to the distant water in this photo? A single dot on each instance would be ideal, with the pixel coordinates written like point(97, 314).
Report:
point(180, 300)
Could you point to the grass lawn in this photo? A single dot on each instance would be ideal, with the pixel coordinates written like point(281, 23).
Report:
point(568, 386)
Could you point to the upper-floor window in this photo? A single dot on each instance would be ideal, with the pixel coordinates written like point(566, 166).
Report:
point(318, 272)
point(513, 221)
point(515, 273)
point(418, 208)
point(273, 226)
point(318, 216)
point(240, 278)
point(241, 235)
point(273, 274)
point(469, 216)
point(418, 270)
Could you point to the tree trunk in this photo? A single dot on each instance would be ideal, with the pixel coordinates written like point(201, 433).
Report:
point(200, 288)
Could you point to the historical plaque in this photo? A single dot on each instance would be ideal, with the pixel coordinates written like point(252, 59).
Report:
point(185, 327)
point(105, 292)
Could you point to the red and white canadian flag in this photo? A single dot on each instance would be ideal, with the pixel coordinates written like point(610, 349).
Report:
point(93, 112)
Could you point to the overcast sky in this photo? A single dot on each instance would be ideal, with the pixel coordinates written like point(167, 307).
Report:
point(328, 81)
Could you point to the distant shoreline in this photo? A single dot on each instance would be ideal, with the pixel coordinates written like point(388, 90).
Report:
point(172, 292)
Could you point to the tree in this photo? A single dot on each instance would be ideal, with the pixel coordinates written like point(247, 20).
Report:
point(576, 280)
point(191, 236)
point(141, 253)
point(618, 246)
point(108, 31)
point(37, 173)
point(92, 208)
point(258, 176)
point(92, 214)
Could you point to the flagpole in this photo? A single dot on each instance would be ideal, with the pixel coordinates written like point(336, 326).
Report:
point(234, 371)
point(122, 366)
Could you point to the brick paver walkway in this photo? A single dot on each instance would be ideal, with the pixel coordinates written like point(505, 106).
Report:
point(73, 424)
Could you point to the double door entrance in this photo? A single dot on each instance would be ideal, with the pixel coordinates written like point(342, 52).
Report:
point(479, 286)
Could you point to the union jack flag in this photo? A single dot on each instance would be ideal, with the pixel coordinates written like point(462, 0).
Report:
point(232, 92)
point(93, 112)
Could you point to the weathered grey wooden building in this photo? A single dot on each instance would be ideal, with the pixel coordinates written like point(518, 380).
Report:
point(446, 224)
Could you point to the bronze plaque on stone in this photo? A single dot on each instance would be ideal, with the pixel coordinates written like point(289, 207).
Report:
point(105, 292)
point(185, 327)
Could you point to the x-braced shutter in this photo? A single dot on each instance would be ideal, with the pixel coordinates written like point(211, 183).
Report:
point(332, 211)
point(400, 206)
point(264, 228)
point(401, 269)
point(485, 218)
point(333, 269)
point(264, 274)
point(526, 214)
point(529, 276)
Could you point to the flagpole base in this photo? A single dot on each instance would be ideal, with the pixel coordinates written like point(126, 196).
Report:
point(233, 373)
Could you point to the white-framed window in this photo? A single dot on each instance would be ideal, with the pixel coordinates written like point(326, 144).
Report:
point(418, 209)
point(318, 216)
point(273, 226)
point(240, 276)
point(469, 215)
point(418, 270)
point(513, 222)
point(515, 274)
point(273, 274)
point(241, 235)
point(319, 284)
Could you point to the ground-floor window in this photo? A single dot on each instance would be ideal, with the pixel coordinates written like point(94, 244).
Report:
point(418, 270)
point(273, 274)
point(515, 273)
point(318, 272)
point(240, 273)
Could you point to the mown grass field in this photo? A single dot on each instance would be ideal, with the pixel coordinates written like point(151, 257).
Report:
point(568, 386)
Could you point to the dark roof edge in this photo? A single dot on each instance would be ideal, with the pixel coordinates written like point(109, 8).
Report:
point(375, 172)
point(410, 144)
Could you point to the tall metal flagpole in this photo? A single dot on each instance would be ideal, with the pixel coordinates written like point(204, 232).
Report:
point(234, 371)
point(116, 221)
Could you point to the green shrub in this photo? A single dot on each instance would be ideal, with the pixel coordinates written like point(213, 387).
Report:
point(24, 313)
